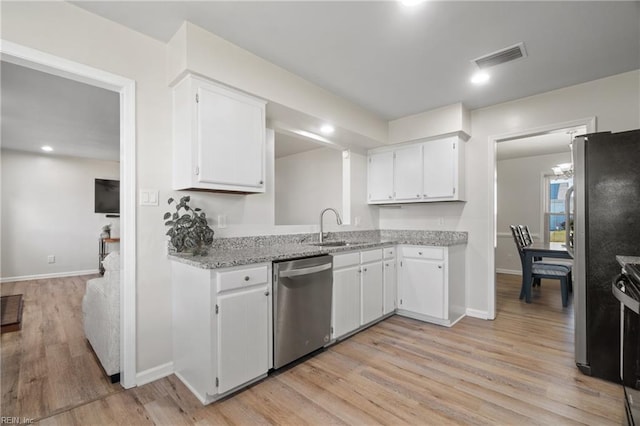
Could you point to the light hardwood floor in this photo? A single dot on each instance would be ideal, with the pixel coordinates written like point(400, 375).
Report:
point(48, 366)
point(518, 369)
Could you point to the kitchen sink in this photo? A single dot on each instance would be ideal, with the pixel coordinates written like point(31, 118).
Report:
point(337, 243)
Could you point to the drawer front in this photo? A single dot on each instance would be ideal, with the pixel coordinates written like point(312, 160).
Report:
point(389, 252)
point(371, 255)
point(346, 259)
point(242, 278)
point(420, 252)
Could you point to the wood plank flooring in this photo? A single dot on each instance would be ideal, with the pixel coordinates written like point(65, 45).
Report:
point(48, 366)
point(518, 369)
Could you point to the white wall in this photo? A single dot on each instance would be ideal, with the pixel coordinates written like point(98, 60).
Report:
point(306, 183)
point(520, 201)
point(613, 100)
point(67, 31)
point(48, 209)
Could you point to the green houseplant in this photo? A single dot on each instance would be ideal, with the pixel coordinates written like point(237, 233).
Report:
point(189, 230)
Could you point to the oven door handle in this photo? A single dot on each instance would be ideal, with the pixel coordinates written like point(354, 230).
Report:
point(619, 294)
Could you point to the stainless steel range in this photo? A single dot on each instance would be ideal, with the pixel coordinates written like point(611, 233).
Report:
point(626, 288)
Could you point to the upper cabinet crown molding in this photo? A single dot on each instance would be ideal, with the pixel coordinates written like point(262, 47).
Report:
point(426, 171)
point(218, 138)
point(449, 120)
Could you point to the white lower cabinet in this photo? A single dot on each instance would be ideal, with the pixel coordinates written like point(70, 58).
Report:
point(371, 283)
point(431, 284)
point(345, 313)
point(358, 291)
point(390, 280)
point(222, 327)
point(242, 337)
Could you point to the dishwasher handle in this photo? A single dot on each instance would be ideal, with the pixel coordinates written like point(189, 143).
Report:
point(305, 271)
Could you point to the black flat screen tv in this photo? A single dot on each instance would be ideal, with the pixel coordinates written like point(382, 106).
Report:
point(107, 196)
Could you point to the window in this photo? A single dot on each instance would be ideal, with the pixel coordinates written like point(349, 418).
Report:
point(554, 206)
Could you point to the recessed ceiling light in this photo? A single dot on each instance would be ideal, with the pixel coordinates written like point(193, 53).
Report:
point(480, 77)
point(46, 148)
point(327, 129)
point(411, 2)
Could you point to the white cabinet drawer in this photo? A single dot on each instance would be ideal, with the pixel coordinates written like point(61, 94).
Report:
point(242, 278)
point(344, 260)
point(419, 252)
point(371, 255)
point(389, 252)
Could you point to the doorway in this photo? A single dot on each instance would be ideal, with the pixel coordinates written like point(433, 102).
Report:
point(34, 59)
point(502, 241)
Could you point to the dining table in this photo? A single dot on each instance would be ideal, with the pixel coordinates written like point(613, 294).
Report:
point(536, 250)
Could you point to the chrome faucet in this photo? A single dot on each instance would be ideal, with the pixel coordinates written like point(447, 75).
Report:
point(322, 214)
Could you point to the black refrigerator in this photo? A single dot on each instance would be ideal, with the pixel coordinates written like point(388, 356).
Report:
point(606, 222)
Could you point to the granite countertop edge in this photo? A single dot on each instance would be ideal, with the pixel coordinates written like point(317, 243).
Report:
point(225, 258)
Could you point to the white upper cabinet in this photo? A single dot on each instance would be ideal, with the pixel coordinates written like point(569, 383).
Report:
point(218, 138)
point(442, 160)
point(380, 177)
point(420, 172)
point(407, 173)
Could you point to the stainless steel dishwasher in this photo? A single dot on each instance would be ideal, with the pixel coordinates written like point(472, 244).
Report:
point(301, 307)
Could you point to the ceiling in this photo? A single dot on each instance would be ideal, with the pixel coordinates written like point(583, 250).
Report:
point(549, 143)
point(73, 118)
point(395, 61)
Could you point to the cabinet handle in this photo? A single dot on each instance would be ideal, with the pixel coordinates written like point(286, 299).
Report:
point(439, 266)
point(365, 269)
point(266, 293)
point(261, 182)
point(417, 195)
point(246, 278)
point(390, 197)
point(424, 195)
point(419, 253)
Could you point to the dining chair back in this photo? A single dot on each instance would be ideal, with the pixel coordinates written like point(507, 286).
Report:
point(526, 234)
point(540, 269)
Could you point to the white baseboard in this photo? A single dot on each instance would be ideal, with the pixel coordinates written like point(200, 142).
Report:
point(475, 313)
point(47, 276)
point(153, 374)
point(509, 271)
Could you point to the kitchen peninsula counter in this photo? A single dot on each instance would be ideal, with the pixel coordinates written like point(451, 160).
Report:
point(227, 252)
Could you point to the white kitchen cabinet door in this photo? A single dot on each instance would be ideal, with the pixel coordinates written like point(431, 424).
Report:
point(440, 169)
point(243, 347)
point(390, 284)
point(372, 292)
point(231, 138)
point(380, 177)
point(408, 173)
point(219, 138)
point(421, 288)
point(346, 300)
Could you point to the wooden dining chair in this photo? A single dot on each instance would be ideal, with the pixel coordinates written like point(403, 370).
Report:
point(544, 270)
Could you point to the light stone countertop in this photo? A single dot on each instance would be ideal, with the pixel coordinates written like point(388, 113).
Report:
point(260, 249)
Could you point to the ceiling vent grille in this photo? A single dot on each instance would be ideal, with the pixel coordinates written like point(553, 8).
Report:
point(508, 54)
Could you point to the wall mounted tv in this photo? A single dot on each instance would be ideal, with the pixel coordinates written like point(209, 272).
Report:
point(107, 196)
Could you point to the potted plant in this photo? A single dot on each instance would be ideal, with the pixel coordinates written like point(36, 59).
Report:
point(189, 230)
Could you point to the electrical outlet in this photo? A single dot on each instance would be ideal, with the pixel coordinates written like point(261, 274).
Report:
point(51, 258)
point(222, 221)
point(357, 221)
point(441, 221)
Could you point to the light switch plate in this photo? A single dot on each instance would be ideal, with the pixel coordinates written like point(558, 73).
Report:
point(149, 197)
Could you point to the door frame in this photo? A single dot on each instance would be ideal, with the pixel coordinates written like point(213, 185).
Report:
point(588, 122)
point(41, 61)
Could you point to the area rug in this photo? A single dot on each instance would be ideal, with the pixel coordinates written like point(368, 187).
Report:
point(11, 310)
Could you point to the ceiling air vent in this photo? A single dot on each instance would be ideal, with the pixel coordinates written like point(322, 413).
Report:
point(508, 54)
